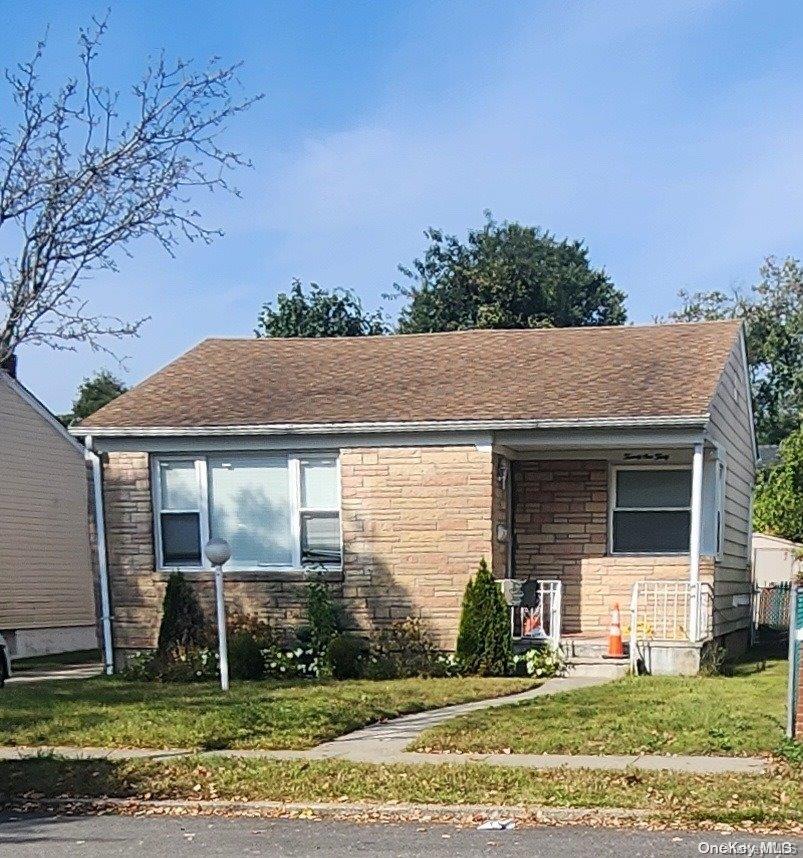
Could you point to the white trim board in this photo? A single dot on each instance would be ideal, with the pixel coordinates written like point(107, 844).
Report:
point(693, 420)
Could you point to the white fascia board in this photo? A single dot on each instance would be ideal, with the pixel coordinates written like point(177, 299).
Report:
point(689, 421)
point(226, 443)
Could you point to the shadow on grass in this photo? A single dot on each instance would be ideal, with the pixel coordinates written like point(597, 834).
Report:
point(48, 777)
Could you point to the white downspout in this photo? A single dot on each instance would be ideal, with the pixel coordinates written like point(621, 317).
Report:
point(103, 566)
point(694, 540)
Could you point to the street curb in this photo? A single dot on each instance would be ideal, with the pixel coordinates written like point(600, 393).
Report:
point(342, 810)
point(393, 812)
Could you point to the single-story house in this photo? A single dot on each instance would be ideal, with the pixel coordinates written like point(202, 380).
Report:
point(47, 600)
point(598, 465)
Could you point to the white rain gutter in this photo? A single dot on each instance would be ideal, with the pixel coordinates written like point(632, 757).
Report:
point(103, 566)
point(692, 420)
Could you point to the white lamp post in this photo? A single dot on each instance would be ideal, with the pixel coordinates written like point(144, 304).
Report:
point(218, 552)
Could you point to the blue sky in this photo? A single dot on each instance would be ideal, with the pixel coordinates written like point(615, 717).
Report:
point(668, 135)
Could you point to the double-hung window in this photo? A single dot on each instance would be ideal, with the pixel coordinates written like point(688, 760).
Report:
point(651, 510)
point(179, 516)
point(276, 510)
point(319, 510)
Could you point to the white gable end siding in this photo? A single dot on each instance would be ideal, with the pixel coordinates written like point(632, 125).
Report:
point(730, 426)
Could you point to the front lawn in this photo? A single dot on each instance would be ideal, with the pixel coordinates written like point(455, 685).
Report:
point(674, 799)
point(111, 712)
point(733, 715)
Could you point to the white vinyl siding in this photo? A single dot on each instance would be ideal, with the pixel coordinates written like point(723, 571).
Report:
point(276, 510)
point(45, 560)
point(730, 428)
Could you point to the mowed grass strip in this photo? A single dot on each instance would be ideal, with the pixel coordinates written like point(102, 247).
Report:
point(111, 712)
point(675, 798)
point(734, 715)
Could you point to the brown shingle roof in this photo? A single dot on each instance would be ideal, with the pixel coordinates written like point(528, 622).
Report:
point(566, 373)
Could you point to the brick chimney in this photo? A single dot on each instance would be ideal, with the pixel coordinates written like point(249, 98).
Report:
point(9, 365)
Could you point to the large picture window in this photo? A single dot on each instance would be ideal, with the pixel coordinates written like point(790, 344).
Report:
point(274, 510)
point(651, 510)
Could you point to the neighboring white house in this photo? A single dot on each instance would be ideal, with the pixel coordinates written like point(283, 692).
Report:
point(47, 601)
point(776, 560)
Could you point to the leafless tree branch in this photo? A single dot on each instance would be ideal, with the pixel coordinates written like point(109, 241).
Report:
point(78, 185)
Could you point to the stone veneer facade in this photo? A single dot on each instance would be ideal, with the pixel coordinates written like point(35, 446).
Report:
point(416, 521)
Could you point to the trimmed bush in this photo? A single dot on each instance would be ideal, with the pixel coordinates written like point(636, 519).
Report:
point(484, 643)
point(246, 660)
point(344, 656)
point(403, 649)
point(183, 624)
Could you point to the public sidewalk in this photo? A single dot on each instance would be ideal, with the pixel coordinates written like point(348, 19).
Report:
point(387, 742)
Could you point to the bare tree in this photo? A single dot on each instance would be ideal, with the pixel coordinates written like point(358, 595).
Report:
point(79, 183)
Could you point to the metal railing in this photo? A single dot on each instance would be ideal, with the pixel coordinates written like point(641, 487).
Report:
point(670, 611)
point(539, 621)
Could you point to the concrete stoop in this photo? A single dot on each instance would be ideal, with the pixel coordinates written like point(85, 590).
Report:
point(585, 657)
point(602, 668)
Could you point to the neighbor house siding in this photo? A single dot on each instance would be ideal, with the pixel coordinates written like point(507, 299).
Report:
point(415, 522)
point(730, 427)
point(45, 564)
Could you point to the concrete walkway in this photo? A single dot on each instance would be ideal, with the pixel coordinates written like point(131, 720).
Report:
point(386, 743)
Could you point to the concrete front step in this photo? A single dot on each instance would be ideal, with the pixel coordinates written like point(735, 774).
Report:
point(597, 667)
point(587, 647)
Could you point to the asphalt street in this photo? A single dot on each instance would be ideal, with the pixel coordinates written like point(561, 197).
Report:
point(46, 835)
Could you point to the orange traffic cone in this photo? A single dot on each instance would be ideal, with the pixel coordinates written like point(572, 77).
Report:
point(615, 648)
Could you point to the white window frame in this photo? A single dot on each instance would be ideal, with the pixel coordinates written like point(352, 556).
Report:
point(613, 508)
point(202, 471)
point(202, 509)
point(301, 510)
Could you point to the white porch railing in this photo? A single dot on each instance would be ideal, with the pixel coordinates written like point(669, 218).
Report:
point(539, 622)
point(670, 611)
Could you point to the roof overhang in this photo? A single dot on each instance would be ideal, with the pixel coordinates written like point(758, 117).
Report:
point(664, 422)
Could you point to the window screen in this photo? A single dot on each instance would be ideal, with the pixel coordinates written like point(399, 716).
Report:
point(652, 510)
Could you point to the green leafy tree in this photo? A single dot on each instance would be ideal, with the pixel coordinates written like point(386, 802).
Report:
point(778, 502)
point(95, 392)
point(183, 623)
point(317, 313)
point(772, 312)
point(505, 275)
point(484, 643)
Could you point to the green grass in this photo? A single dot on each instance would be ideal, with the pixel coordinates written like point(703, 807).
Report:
point(674, 798)
point(734, 715)
point(56, 660)
point(111, 712)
